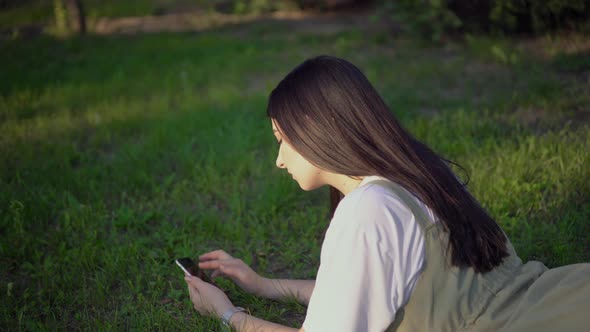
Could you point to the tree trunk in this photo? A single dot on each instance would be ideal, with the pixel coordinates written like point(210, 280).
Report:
point(76, 16)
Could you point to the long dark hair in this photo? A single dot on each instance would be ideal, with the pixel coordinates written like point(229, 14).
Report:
point(331, 114)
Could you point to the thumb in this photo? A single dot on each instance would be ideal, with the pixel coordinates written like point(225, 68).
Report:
point(194, 281)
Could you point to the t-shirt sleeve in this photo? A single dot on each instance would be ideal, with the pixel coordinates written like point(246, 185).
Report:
point(371, 258)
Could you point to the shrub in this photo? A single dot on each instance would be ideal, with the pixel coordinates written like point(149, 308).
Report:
point(534, 16)
point(432, 19)
point(429, 19)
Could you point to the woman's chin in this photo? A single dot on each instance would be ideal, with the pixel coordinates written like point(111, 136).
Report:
point(307, 186)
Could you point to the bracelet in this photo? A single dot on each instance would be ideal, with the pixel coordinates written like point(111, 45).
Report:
point(229, 313)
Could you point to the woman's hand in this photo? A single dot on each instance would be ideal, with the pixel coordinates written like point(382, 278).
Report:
point(207, 299)
point(223, 264)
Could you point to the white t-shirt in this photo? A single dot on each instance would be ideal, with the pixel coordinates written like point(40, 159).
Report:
point(371, 258)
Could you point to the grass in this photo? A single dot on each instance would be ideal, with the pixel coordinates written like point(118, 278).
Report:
point(121, 153)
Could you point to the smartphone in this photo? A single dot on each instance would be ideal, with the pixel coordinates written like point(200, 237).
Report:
point(191, 268)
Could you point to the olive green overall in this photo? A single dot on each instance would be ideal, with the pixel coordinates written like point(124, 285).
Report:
point(512, 297)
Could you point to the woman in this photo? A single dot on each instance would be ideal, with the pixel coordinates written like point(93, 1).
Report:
point(426, 255)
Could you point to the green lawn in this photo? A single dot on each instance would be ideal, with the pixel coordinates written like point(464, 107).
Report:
point(121, 153)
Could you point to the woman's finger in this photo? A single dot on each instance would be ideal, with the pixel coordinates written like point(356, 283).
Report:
point(195, 282)
point(216, 254)
point(210, 265)
point(223, 271)
point(237, 271)
point(196, 299)
point(229, 269)
point(191, 290)
point(215, 264)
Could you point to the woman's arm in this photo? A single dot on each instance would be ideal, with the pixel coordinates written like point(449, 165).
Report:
point(281, 289)
point(211, 301)
point(242, 322)
point(223, 264)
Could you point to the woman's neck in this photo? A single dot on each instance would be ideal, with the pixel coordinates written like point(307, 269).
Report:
point(344, 183)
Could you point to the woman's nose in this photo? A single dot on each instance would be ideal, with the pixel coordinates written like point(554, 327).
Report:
point(279, 162)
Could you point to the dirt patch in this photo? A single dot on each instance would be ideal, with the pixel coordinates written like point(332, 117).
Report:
point(300, 21)
point(546, 47)
point(194, 19)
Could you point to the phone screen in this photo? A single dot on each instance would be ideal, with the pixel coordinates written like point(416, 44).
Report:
point(191, 268)
point(187, 265)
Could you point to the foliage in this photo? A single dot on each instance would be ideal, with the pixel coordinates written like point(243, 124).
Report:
point(69, 17)
point(61, 17)
point(432, 19)
point(539, 16)
point(429, 19)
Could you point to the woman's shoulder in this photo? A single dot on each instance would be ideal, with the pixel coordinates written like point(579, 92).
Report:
point(371, 194)
point(370, 199)
point(376, 198)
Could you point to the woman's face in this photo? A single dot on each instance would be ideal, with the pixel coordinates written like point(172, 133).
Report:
point(307, 175)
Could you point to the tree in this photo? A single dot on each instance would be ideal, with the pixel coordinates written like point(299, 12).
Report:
point(77, 15)
point(70, 16)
